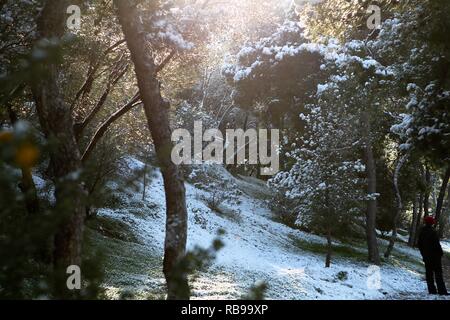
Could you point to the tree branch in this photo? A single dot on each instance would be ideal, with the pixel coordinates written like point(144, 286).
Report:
point(105, 125)
point(161, 66)
point(79, 127)
point(91, 73)
point(118, 114)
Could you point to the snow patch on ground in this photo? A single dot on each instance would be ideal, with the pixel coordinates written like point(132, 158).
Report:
point(446, 246)
point(259, 249)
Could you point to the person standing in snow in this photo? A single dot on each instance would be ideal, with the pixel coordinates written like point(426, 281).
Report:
point(432, 253)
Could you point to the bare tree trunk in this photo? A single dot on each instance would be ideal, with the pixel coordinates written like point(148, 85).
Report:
point(57, 125)
point(145, 182)
point(445, 218)
point(412, 229)
point(399, 210)
point(329, 249)
point(419, 218)
point(156, 110)
point(371, 214)
point(440, 201)
point(426, 199)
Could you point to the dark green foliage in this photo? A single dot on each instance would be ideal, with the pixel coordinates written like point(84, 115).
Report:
point(26, 241)
point(342, 276)
point(341, 251)
point(386, 201)
point(257, 291)
point(284, 210)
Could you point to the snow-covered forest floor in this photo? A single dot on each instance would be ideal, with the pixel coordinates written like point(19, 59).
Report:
point(130, 236)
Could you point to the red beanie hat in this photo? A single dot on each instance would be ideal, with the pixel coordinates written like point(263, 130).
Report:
point(429, 220)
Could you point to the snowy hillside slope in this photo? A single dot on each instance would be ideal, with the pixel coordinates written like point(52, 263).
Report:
point(257, 248)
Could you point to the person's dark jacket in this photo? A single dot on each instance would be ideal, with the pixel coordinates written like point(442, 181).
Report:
point(429, 244)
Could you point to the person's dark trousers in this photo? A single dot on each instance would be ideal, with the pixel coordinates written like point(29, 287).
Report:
point(433, 269)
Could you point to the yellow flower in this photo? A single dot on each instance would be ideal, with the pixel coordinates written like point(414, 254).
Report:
point(27, 155)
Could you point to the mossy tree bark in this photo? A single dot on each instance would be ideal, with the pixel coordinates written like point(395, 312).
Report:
point(57, 124)
point(156, 111)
